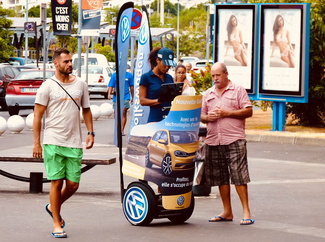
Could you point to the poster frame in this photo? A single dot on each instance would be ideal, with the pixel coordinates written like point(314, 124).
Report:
point(222, 10)
point(298, 94)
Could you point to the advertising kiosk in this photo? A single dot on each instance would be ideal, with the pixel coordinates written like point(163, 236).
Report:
point(163, 153)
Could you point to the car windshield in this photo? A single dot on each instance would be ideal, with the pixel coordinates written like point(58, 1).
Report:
point(91, 61)
point(92, 70)
point(27, 75)
point(182, 137)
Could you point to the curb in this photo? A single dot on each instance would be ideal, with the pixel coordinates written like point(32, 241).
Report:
point(285, 138)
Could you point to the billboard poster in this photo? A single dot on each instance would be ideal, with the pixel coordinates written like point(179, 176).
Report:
point(91, 12)
point(61, 16)
point(234, 42)
point(140, 113)
point(164, 152)
point(281, 49)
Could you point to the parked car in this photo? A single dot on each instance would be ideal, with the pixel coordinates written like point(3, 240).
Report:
point(191, 59)
point(20, 68)
point(172, 150)
point(21, 91)
point(7, 72)
point(93, 59)
point(98, 79)
point(200, 64)
point(20, 61)
point(40, 65)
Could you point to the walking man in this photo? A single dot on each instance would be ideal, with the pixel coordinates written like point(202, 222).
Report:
point(60, 99)
point(225, 106)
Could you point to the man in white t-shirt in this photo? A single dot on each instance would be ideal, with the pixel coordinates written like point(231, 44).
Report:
point(60, 99)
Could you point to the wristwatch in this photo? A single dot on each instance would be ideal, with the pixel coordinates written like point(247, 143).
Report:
point(92, 133)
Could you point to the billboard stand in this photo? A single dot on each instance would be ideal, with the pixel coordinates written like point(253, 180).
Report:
point(275, 65)
point(278, 116)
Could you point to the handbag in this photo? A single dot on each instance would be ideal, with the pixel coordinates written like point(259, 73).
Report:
point(67, 93)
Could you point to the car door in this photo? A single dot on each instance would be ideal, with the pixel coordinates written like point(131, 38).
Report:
point(162, 145)
point(153, 147)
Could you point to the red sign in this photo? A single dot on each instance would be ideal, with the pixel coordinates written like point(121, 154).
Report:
point(112, 31)
point(136, 19)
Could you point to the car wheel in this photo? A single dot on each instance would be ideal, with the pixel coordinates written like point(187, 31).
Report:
point(184, 214)
point(166, 165)
point(13, 110)
point(147, 159)
point(139, 204)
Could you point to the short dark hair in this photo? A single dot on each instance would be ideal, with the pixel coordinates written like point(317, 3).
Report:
point(59, 51)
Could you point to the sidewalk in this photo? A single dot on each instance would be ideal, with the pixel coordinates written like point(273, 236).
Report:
point(258, 128)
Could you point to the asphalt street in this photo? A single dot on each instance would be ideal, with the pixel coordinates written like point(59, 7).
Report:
point(286, 197)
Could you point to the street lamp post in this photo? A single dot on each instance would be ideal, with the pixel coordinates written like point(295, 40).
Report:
point(207, 34)
point(26, 34)
point(177, 44)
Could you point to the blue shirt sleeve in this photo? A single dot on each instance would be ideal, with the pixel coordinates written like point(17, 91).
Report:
point(112, 82)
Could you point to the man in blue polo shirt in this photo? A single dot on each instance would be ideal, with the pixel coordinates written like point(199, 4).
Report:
point(128, 95)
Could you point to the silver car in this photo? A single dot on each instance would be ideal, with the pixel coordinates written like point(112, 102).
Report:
point(98, 79)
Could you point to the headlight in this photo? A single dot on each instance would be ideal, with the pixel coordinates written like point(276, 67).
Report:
point(180, 153)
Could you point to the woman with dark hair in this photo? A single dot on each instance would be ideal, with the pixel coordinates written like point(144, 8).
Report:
point(235, 39)
point(180, 76)
point(161, 59)
point(281, 39)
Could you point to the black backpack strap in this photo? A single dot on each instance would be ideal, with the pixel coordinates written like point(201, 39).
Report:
point(67, 93)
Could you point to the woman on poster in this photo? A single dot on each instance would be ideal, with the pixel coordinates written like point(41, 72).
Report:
point(281, 39)
point(235, 40)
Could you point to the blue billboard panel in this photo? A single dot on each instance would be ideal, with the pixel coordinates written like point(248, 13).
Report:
point(284, 52)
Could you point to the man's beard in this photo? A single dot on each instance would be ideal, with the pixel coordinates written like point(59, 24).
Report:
point(65, 71)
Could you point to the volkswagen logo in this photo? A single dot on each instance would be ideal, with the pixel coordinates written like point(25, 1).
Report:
point(135, 205)
point(180, 200)
point(143, 35)
point(125, 29)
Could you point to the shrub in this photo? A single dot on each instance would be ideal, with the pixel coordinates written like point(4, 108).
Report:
point(202, 80)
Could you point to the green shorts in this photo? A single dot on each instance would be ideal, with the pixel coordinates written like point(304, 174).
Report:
point(62, 162)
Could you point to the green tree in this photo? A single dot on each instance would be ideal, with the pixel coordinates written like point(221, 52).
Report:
point(6, 48)
point(169, 8)
point(111, 14)
point(193, 31)
point(34, 12)
point(310, 113)
point(192, 36)
point(106, 50)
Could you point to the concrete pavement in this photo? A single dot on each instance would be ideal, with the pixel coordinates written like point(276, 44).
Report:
point(286, 199)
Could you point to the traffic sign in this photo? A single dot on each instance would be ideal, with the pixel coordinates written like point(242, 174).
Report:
point(136, 19)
